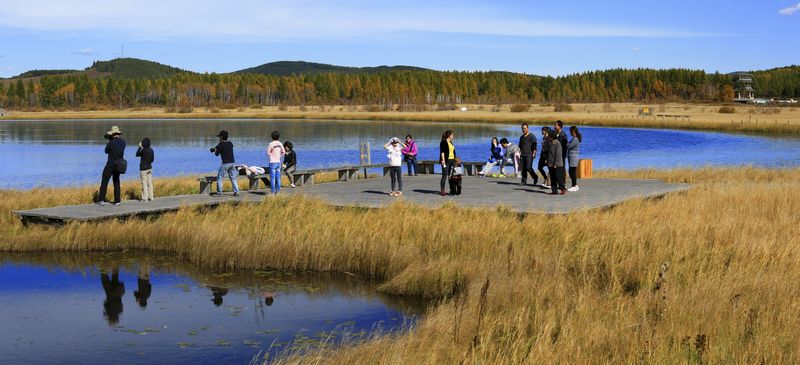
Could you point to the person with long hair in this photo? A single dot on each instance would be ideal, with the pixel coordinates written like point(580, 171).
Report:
point(447, 156)
point(573, 152)
point(496, 153)
point(543, 156)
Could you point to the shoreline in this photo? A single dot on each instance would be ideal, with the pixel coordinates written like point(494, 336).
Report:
point(699, 117)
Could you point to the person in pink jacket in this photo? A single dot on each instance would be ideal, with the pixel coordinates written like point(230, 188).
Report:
point(275, 151)
point(410, 155)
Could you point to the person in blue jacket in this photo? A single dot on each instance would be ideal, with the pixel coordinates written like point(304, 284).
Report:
point(496, 153)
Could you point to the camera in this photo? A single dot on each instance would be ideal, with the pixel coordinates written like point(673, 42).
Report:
point(213, 150)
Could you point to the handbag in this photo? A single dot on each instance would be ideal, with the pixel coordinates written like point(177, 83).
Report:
point(121, 166)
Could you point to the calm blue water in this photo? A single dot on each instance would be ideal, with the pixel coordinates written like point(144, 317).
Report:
point(59, 153)
point(69, 308)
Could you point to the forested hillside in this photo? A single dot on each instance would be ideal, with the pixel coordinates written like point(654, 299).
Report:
point(168, 86)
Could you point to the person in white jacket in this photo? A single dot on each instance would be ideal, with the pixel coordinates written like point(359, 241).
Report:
point(395, 155)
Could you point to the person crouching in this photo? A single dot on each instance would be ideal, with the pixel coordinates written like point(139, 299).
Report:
point(456, 177)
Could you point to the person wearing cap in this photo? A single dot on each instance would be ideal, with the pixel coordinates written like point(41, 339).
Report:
point(224, 150)
point(395, 155)
point(115, 149)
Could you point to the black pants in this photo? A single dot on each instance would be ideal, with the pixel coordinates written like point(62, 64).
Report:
point(541, 167)
point(108, 173)
point(557, 179)
point(573, 174)
point(527, 168)
point(446, 170)
point(396, 175)
point(455, 185)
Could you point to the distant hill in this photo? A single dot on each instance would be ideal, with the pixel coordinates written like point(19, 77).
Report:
point(135, 68)
point(39, 73)
point(119, 67)
point(285, 68)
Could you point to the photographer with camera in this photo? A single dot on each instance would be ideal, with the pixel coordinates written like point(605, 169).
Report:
point(224, 149)
point(115, 165)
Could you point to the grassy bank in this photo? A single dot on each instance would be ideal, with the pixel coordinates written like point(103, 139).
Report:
point(561, 289)
point(700, 116)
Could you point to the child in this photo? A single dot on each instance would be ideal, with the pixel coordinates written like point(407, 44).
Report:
point(290, 162)
point(395, 155)
point(275, 151)
point(455, 178)
point(147, 156)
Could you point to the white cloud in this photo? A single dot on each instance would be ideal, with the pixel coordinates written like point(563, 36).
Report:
point(790, 10)
point(636, 49)
point(84, 52)
point(274, 20)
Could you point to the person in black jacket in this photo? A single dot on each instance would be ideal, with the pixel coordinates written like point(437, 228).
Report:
point(224, 150)
point(527, 150)
point(447, 156)
point(289, 162)
point(115, 149)
point(147, 156)
point(562, 138)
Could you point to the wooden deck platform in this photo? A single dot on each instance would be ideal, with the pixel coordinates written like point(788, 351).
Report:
point(372, 193)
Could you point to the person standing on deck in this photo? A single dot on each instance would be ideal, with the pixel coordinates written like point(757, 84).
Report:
point(410, 155)
point(275, 151)
point(555, 163)
point(447, 156)
point(147, 156)
point(527, 147)
point(115, 149)
point(395, 155)
point(573, 151)
point(562, 138)
point(224, 149)
point(543, 156)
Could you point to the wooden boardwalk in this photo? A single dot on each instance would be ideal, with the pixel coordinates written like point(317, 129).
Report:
point(372, 193)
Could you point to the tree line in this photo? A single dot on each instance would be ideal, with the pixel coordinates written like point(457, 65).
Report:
point(393, 89)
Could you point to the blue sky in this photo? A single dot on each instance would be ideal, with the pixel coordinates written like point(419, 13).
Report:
point(539, 37)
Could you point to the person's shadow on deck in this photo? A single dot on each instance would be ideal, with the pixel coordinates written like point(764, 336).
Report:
point(375, 192)
point(426, 191)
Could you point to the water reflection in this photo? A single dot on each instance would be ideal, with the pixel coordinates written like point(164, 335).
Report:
point(115, 289)
point(52, 301)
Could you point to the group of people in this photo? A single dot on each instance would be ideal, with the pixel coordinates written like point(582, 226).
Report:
point(281, 156)
point(116, 165)
point(556, 150)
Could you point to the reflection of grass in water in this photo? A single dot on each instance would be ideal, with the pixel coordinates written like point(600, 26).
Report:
point(579, 288)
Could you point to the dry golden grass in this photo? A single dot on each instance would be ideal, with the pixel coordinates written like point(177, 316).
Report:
point(701, 116)
point(578, 288)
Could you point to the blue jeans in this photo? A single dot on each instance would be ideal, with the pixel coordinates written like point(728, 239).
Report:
point(275, 177)
point(227, 168)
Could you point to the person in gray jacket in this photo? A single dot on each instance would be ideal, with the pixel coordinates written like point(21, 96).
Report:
point(555, 162)
point(573, 151)
point(512, 156)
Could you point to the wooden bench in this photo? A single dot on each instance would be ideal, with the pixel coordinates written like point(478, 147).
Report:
point(470, 167)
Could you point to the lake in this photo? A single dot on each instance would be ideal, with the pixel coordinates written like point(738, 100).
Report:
point(136, 307)
point(64, 153)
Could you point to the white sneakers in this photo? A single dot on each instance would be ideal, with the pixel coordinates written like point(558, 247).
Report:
point(574, 188)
